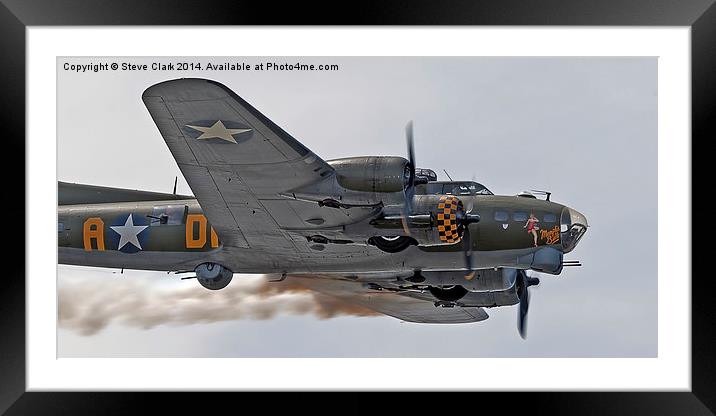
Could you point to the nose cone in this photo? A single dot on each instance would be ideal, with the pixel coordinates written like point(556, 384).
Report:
point(577, 217)
point(573, 226)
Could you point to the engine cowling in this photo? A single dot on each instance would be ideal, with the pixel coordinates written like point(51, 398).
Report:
point(485, 280)
point(439, 220)
point(359, 181)
point(213, 276)
point(382, 174)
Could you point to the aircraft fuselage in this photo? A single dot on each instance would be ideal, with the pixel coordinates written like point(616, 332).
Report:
point(175, 235)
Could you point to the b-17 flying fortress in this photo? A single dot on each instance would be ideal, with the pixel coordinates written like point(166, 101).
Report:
point(379, 231)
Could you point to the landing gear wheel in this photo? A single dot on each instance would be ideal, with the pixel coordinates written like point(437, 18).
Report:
point(391, 244)
point(448, 293)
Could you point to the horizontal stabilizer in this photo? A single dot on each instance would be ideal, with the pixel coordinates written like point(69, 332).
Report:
point(75, 193)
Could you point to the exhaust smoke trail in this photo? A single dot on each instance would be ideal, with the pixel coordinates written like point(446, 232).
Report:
point(87, 306)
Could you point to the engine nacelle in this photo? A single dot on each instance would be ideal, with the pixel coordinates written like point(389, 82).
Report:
point(382, 174)
point(213, 276)
point(484, 280)
point(368, 180)
point(438, 220)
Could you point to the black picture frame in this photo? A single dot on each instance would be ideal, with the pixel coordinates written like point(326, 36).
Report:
point(16, 15)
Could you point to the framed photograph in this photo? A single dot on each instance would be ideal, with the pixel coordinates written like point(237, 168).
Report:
point(373, 207)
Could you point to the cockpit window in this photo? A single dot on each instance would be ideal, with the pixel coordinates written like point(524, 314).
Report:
point(168, 215)
point(501, 216)
point(519, 216)
point(469, 188)
point(452, 188)
point(550, 218)
point(427, 174)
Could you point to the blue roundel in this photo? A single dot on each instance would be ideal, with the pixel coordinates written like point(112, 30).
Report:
point(128, 233)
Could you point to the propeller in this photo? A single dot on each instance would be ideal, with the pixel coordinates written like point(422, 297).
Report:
point(471, 202)
point(467, 242)
point(467, 251)
point(410, 189)
point(466, 238)
point(523, 294)
point(464, 220)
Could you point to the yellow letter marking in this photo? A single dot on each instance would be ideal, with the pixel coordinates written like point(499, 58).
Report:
point(93, 228)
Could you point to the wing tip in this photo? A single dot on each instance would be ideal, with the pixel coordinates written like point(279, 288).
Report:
point(171, 86)
point(198, 89)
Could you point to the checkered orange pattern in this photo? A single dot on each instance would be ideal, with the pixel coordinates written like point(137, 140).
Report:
point(448, 229)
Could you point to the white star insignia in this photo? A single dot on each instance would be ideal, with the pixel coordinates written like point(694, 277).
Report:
point(217, 131)
point(128, 233)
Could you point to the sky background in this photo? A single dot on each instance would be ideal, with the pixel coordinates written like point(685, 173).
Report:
point(583, 128)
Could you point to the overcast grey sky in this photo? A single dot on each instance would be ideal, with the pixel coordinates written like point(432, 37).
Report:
point(583, 128)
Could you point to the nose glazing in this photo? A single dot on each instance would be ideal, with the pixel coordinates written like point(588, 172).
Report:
point(573, 225)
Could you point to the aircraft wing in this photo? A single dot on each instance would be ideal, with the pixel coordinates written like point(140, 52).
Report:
point(236, 162)
point(401, 305)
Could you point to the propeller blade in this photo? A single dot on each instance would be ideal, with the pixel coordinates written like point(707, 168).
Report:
point(471, 201)
point(404, 221)
point(410, 189)
point(411, 151)
point(523, 294)
point(524, 307)
point(467, 249)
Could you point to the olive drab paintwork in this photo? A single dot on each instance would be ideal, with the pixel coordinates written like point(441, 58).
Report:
point(90, 227)
point(503, 222)
point(266, 204)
